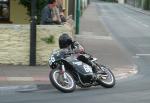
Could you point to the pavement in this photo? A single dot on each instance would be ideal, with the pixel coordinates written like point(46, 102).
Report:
point(145, 12)
point(96, 39)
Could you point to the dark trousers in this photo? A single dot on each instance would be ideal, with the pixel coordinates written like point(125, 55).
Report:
point(87, 61)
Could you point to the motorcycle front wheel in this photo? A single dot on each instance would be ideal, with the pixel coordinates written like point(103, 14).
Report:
point(66, 84)
point(107, 78)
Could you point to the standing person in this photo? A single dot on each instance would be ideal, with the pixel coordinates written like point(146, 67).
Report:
point(61, 10)
point(60, 5)
point(50, 13)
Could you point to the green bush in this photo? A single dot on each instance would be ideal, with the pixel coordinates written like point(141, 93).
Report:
point(145, 4)
point(49, 40)
point(40, 5)
point(149, 5)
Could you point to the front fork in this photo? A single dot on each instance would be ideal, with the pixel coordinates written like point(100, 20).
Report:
point(96, 66)
point(62, 71)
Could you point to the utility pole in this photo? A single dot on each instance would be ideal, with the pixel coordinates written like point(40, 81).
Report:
point(33, 34)
point(77, 16)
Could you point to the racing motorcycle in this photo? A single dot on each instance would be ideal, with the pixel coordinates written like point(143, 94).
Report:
point(68, 72)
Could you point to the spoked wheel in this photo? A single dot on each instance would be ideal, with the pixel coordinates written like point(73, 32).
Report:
point(106, 78)
point(63, 82)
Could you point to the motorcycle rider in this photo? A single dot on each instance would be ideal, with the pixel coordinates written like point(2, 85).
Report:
point(66, 42)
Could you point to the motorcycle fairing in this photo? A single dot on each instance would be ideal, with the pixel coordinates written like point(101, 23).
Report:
point(79, 66)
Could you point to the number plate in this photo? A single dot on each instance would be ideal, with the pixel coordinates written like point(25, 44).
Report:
point(88, 69)
point(51, 60)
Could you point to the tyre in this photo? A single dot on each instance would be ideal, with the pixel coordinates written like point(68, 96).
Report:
point(106, 79)
point(65, 85)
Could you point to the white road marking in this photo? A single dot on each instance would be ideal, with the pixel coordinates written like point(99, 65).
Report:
point(20, 79)
point(144, 45)
point(136, 57)
point(142, 54)
point(95, 37)
point(25, 79)
point(146, 25)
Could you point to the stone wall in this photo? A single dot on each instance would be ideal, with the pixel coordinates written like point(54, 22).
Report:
point(15, 42)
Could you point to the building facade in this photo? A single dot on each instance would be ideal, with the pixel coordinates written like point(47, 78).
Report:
point(13, 12)
point(144, 4)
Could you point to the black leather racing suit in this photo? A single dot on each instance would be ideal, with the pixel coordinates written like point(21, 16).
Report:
point(76, 48)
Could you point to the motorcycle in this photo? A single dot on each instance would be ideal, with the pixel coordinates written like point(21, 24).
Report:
point(68, 71)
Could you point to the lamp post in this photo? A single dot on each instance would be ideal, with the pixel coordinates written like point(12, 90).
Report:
point(33, 34)
point(88, 1)
point(77, 16)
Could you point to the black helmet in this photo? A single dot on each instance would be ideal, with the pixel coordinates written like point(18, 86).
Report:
point(64, 41)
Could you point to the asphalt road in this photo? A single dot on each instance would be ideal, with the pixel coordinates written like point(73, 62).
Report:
point(132, 30)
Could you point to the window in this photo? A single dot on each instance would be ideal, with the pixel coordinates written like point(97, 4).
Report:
point(4, 11)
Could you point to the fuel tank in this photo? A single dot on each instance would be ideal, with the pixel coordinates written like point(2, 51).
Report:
point(85, 71)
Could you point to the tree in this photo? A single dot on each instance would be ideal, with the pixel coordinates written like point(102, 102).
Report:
point(40, 5)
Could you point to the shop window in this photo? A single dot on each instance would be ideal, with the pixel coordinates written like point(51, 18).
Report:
point(4, 11)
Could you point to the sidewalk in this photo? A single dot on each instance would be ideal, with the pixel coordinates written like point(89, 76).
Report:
point(23, 75)
point(97, 41)
point(146, 12)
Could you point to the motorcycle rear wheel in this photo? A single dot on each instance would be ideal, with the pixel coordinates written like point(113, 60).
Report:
point(107, 79)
